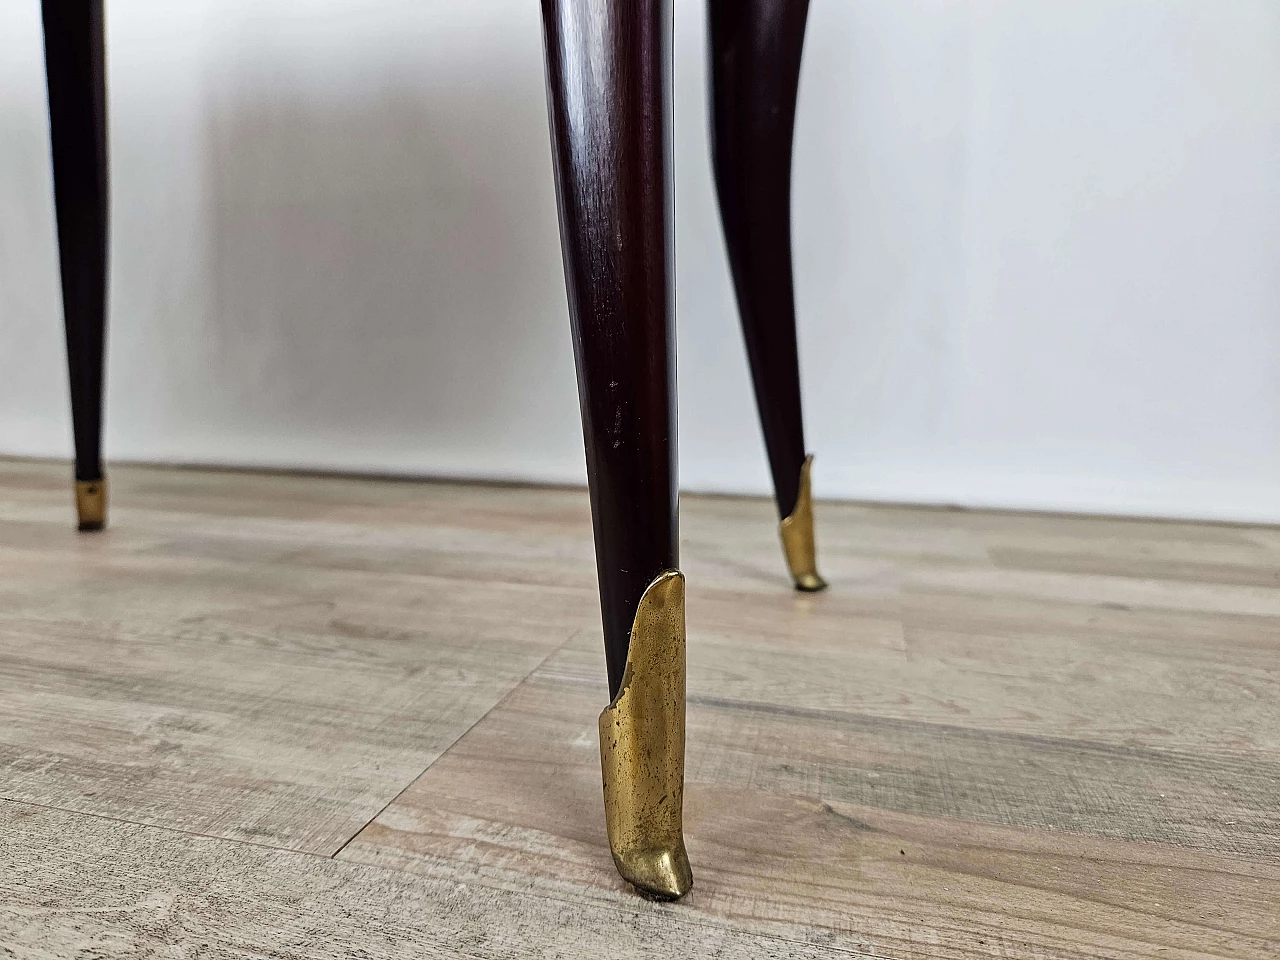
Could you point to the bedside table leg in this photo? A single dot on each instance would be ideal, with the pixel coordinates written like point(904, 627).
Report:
point(75, 66)
point(609, 83)
point(755, 72)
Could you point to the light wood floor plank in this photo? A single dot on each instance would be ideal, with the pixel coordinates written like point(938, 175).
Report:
point(79, 886)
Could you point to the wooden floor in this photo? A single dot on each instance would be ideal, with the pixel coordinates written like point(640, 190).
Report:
point(281, 717)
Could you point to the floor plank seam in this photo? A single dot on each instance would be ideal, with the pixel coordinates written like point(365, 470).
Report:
point(421, 773)
point(162, 827)
point(875, 721)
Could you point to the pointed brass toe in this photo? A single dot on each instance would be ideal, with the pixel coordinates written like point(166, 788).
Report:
point(91, 503)
point(642, 749)
point(797, 538)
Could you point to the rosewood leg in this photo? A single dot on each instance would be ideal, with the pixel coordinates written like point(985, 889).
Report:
point(75, 65)
point(755, 72)
point(609, 101)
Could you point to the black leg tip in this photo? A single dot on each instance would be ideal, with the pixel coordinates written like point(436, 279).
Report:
point(90, 526)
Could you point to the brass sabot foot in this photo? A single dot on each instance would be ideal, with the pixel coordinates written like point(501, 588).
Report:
point(642, 749)
point(91, 503)
point(797, 538)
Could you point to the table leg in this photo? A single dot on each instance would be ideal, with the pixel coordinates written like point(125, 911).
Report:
point(75, 65)
point(755, 72)
point(609, 83)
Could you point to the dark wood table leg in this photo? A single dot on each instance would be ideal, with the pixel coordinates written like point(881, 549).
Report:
point(609, 83)
point(755, 72)
point(75, 65)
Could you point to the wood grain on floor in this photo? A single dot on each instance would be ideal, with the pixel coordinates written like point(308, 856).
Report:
point(997, 735)
point(872, 828)
point(264, 697)
point(84, 887)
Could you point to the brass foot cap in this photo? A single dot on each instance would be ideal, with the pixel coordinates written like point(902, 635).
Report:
point(798, 543)
point(642, 749)
point(657, 874)
point(91, 503)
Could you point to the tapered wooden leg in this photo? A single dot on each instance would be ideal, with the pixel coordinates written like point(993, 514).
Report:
point(755, 72)
point(609, 93)
point(75, 65)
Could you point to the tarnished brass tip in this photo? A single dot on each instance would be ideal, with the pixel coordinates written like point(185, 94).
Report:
point(797, 538)
point(642, 749)
point(91, 503)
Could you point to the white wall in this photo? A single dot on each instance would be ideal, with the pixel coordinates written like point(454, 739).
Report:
point(1038, 249)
